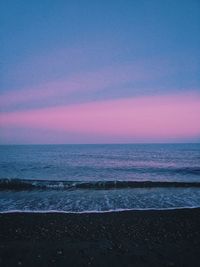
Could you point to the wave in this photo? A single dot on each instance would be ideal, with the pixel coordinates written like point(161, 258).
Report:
point(160, 170)
point(22, 184)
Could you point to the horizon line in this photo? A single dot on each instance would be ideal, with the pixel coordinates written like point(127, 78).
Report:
point(138, 143)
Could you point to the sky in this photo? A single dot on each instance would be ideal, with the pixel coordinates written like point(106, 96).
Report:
point(109, 71)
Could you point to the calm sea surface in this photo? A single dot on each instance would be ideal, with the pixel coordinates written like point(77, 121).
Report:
point(78, 178)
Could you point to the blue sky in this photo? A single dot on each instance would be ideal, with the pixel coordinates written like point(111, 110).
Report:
point(60, 53)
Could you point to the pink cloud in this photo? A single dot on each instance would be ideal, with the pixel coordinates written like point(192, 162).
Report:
point(171, 116)
point(83, 82)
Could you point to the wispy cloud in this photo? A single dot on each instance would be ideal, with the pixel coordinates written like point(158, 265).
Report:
point(92, 82)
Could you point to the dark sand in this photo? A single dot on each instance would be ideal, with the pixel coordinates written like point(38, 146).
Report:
point(130, 238)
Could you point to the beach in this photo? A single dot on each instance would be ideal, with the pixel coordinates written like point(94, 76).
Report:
point(126, 238)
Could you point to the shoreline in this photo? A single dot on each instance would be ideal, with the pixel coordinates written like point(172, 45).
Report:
point(15, 212)
point(120, 238)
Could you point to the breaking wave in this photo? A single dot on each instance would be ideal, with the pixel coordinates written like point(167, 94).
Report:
point(23, 184)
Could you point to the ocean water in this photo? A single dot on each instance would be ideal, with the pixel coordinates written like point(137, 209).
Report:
point(82, 178)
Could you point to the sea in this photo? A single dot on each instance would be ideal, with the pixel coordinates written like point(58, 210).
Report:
point(99, 178)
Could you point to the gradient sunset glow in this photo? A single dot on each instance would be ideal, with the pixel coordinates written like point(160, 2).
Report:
point(75, 77)
point(158, 118)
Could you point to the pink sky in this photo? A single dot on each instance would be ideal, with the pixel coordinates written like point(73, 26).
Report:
point(100, 71)
point(154, 117)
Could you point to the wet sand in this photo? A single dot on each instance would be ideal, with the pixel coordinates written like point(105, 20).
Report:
point(129, 238)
